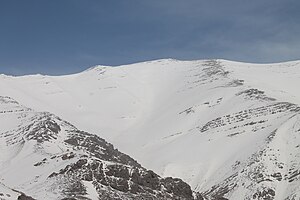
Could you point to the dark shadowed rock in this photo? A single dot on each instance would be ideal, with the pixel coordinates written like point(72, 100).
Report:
point(24, 197)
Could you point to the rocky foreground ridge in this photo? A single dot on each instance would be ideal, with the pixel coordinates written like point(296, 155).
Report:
point(48, 158)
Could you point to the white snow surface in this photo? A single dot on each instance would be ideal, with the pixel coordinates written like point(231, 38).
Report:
point(7, 193)
point(154, 111)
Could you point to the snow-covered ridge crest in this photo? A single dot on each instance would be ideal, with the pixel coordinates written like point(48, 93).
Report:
point(96, 67)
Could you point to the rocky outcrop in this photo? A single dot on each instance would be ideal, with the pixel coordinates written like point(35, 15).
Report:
point(79, 158)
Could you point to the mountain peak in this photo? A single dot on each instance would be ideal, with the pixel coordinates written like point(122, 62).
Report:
point(228, 129)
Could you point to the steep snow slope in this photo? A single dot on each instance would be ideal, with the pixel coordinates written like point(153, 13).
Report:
point(229, 129)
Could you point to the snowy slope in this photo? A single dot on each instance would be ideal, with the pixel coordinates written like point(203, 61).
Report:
point(227, 128)
point(48, 158)
point(7, 193)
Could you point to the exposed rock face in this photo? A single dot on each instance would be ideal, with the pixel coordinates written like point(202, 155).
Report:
point(24, 197)
point(119, 172)
point(250, 117)
point(127, 179)
point(74, 158)
point(99, 148)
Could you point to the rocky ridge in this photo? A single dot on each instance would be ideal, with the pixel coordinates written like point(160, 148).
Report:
point(66, 161)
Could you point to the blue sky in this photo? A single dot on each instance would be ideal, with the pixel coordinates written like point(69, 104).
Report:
point(68, 36)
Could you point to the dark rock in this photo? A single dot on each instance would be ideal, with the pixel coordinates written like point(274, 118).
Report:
point(267, 194)
point(177, 187)
point(117, 171)
point(220, 198)
point(68, 156)
point(24, 197)
point(150, 179)
point(119, 184)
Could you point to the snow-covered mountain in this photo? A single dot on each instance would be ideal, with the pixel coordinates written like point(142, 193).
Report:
point(229, 129)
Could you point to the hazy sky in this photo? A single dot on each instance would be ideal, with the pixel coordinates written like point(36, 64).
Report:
point(67, 36)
